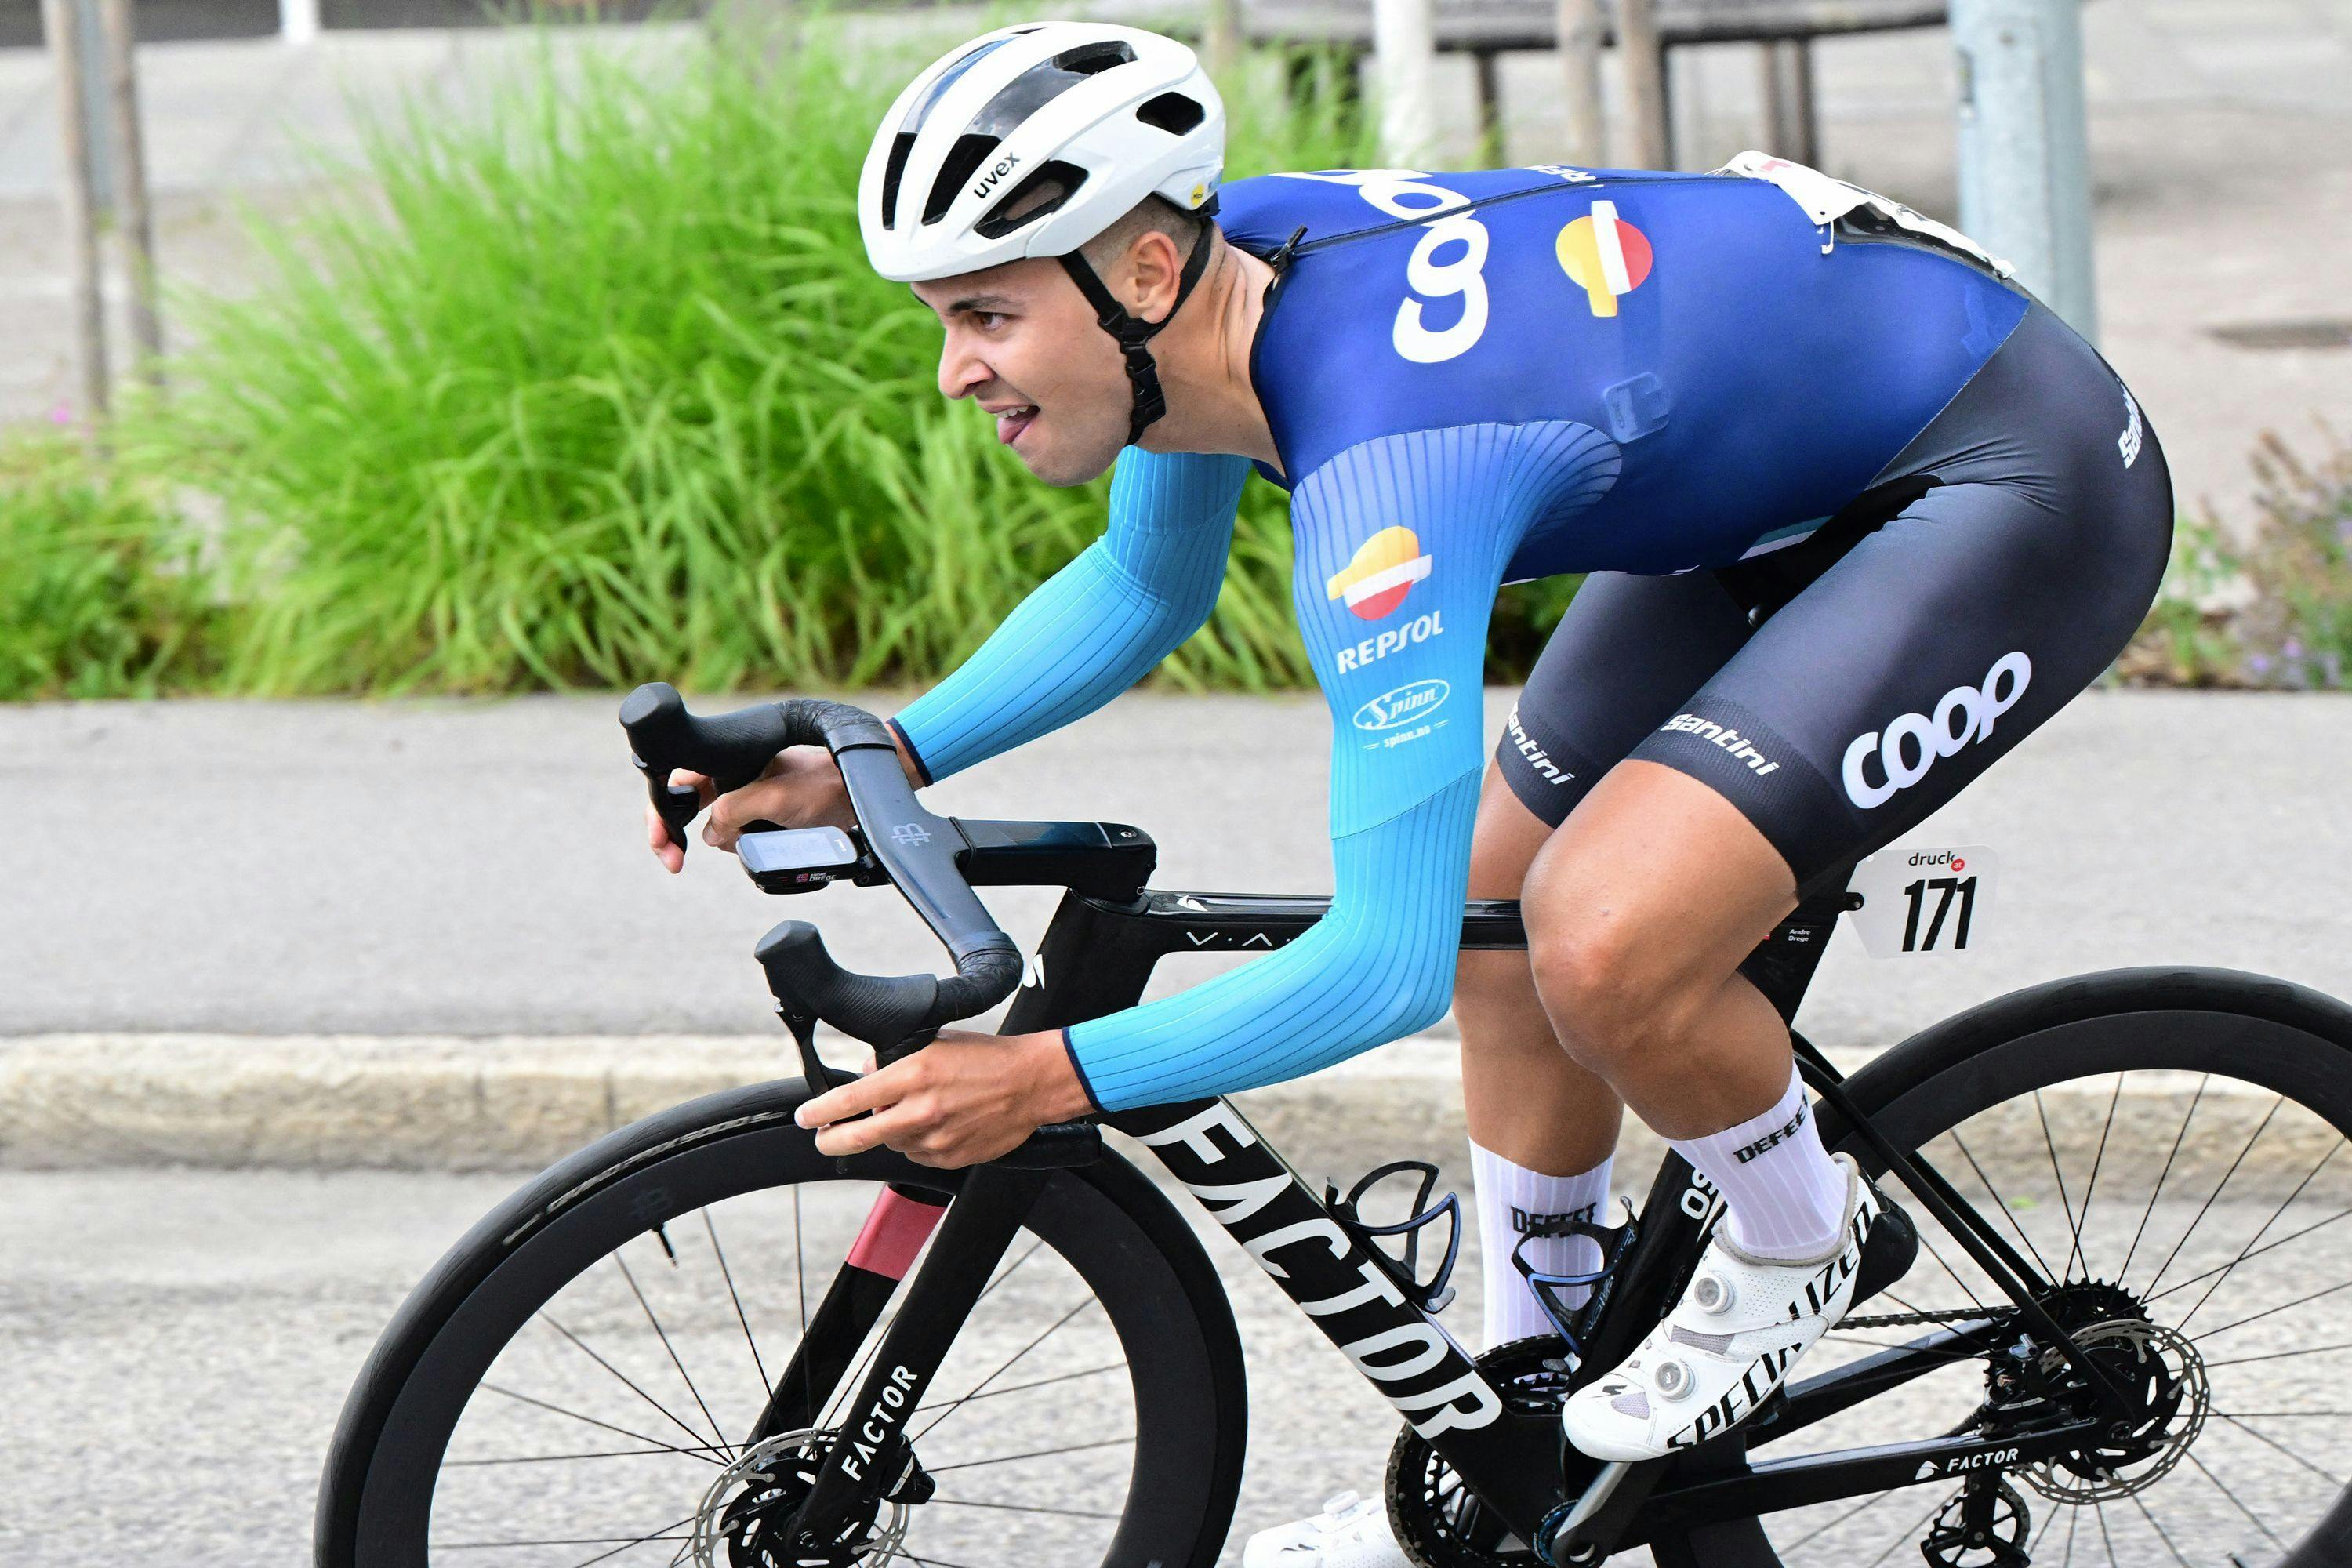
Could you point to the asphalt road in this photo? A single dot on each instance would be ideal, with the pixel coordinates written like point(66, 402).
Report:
point(174, 1347)
point(475, 869)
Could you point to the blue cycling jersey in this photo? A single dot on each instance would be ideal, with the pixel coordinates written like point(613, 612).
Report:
point(1471, 379)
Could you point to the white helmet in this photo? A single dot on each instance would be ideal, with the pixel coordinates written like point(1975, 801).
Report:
point(1093, 116)
point(1031, 141)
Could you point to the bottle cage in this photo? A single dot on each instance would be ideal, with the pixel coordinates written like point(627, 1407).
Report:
point(1615, 1240)
point(1432, 1295)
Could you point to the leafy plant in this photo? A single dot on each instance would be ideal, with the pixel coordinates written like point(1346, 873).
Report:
point(596, 386)
point(2276, 612)
point(97, 595)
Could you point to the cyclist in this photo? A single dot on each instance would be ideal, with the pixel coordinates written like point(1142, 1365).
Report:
point(1858, 516)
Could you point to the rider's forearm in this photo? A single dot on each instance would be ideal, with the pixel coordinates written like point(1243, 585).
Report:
point(1096, 626)
point(1378, 967)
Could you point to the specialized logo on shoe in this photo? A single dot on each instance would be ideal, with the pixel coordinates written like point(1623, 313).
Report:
point(2128, 442)
point(1777, 1136)
point(1909, 746)
point(1380, 574)
point(1762, 1376)
point(1534, 755)
point(1605, 256)
point(1742, 748)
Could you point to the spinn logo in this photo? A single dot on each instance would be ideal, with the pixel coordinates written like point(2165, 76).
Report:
point(1413, 699)
point(1909, 746)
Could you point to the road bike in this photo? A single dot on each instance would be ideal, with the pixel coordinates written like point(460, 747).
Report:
point(700, 1340)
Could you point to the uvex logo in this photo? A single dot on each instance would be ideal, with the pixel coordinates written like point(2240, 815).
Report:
point(995, 176)
point(1401, 703)
point(1909, 746)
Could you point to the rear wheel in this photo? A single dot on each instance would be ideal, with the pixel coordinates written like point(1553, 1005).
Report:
point(575, 1381)
point(2168, 1146)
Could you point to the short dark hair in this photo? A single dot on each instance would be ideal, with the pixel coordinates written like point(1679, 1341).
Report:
point(1152, 215)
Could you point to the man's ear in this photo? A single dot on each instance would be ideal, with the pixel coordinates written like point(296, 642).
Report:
point(1155, 269)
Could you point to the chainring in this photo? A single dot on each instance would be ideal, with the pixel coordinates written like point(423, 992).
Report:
point(1437, 1519)
point(1982, 1526)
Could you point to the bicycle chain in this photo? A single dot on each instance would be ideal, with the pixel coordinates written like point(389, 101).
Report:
point(1910, 1320)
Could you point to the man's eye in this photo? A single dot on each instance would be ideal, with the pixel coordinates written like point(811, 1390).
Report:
point(989, 319)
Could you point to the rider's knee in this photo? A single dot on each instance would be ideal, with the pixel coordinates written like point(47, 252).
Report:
point(1610, 1001)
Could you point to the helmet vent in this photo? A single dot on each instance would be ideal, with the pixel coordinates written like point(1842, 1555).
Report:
point(1173, 113)
point(1087, 60)
point(900, 145)
point(963, 161)
point(1045, 191)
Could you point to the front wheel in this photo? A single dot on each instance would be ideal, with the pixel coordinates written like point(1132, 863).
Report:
point(586, 1377)
point(2168, 1148)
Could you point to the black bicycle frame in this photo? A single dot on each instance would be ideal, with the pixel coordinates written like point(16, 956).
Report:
point(1096, 958)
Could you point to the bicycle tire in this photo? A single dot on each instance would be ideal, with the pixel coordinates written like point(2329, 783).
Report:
point(2273, 1032)
point(1107, 1222)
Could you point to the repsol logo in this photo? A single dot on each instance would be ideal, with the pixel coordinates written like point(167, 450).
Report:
point(1908, 747)
point(1417, 1368)
point(995, 176)
point(1373, 649)
point(1402, 704)
point(884, 1413)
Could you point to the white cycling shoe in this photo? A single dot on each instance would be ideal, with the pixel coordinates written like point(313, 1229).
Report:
point(1729, 1342)
point(1350, 1532)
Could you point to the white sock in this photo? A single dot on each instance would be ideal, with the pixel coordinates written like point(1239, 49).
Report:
point(1509, 1198)
point(1785, 1197)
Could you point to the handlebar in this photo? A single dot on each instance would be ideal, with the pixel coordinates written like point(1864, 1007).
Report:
point(897, 1015)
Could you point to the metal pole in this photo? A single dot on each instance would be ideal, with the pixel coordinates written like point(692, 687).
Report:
point(1582, 31)
point(61, 20)
point(1788, 122)
point(1404, 44)
point(135, 220)
point(297, 21)
point(1224, 42)
point(1646, 84)
point(2025, 161)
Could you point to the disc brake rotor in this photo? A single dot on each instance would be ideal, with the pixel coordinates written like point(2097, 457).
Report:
point(741, 1522)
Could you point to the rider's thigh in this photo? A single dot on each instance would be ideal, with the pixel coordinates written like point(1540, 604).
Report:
point(1504, 841)
point(1628, 652)
point(1943, 637)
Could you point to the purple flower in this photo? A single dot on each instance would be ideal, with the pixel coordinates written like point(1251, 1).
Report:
point(62, 413)
point(2292, 649)
point(2258, 664)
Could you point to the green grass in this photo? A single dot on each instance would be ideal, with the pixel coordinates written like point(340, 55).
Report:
point(98, 594)
point(601, 389)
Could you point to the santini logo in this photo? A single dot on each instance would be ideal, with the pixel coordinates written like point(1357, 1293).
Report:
point(1965, 713)
point(1730, 740)
point(1402, 704)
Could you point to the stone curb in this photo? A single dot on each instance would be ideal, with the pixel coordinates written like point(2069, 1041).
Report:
point(519, 1102)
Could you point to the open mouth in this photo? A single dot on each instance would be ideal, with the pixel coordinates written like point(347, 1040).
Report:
point(1013, 421)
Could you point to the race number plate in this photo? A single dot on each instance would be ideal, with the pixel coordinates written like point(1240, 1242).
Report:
point(1923, 900)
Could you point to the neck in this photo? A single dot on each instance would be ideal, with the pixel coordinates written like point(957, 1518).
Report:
point(1204, 363)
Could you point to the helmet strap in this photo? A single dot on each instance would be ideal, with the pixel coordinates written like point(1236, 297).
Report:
point(1133, 333)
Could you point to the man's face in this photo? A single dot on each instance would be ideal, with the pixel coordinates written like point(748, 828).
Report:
point(1022, 343)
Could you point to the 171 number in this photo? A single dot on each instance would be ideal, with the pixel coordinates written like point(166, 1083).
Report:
point(1948, 888)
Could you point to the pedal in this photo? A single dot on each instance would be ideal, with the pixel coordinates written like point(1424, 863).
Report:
point(1433, 1294)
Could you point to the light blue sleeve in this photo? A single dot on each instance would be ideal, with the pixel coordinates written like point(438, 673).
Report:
point(1097, 625)
point(1400, 545)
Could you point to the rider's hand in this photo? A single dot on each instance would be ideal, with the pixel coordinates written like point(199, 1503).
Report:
point(802, 788)
point(961, 1100)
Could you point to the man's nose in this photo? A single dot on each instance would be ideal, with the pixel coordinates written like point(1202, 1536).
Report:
point(962, 374)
